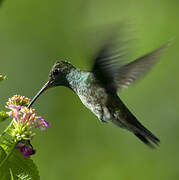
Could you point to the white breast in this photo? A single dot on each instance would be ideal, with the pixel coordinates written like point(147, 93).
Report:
point(91, 105)
point(100, 111)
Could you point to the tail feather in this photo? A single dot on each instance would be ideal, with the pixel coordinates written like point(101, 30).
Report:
point(145, 140)
point(128, 121)
point(141, 132)
point(144, 134)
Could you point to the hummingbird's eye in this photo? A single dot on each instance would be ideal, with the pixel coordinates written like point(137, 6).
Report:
point(55, 72)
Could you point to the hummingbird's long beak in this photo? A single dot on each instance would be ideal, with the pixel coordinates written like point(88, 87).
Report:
point(44, 88)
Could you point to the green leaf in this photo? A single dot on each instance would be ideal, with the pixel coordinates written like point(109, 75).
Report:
point(2, 154)
point(3, 116)
point(23, 168)
point(16, 167)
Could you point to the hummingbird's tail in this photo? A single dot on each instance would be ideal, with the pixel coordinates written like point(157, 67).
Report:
point(128, 121)
point(146, 136)
point(141, 132)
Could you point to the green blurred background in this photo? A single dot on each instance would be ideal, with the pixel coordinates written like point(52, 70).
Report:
point(35, 33)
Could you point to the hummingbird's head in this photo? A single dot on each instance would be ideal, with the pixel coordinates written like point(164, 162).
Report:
point(58, 73)
point(57, 77)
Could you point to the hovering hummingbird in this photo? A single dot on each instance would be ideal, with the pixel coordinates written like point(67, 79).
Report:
point(97, 88)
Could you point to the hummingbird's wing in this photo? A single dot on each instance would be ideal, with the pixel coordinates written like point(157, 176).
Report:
point(131, 72)
point(110, 58)
point(108, 68)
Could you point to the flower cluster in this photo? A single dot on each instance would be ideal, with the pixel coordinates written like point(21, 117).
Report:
point(18, 100)
point(24, 121)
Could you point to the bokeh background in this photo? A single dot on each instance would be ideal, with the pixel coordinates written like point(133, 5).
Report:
point(33, 34)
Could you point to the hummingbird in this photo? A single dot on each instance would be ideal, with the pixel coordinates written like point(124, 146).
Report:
point(98, 88)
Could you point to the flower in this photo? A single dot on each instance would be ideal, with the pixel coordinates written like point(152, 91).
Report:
point(24, 122)
point(24, 119)
point(43, 123)
point(18, 100)
point(25, 148)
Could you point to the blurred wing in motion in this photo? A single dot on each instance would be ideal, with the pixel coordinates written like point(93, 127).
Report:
point(131, 72)
point(108, 65)
point(110, 58)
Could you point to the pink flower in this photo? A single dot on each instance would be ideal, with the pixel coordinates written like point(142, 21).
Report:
point(43, 122)
point(12, 106)
point(24, 119)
